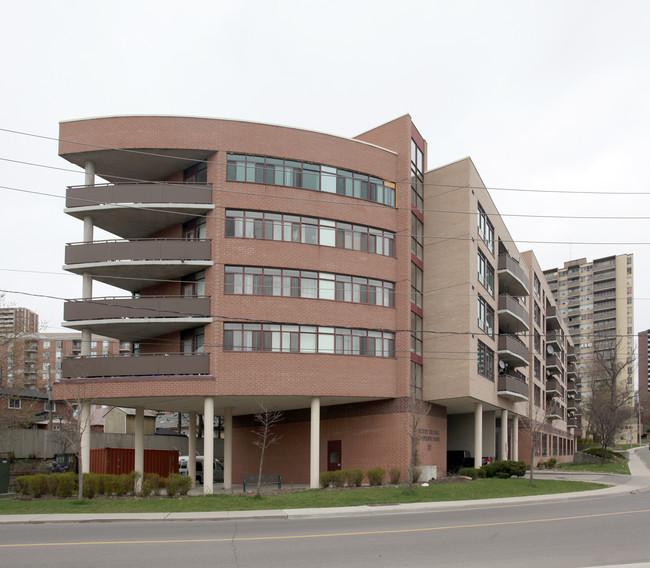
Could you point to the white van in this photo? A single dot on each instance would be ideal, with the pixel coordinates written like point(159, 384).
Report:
point(217, 470)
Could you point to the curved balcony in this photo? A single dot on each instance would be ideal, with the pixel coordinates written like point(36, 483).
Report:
point(553, 318)
point(513, 317)
point(512, 387)
point(571, 356)
point(136, 264)
point(553, 414)
point(555, 338)
point(137, 210)
point(513, 351)
point(512, 277)
point(553, 387)
point(136, 365)
point(134, 319)
point(553, 363)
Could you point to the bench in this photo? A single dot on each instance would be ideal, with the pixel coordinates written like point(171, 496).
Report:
point(265, 479)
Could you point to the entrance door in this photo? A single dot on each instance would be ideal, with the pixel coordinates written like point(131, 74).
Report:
point(333, 455)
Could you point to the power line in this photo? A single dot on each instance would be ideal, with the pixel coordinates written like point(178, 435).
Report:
point(405, 181)
point(398, 233)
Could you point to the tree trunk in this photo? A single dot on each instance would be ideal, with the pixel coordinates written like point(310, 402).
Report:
point(532, 459)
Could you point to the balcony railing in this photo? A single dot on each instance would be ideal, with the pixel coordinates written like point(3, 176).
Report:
point(137, 210)
point(513, 351)
point(512, 277)
point(553, 318)
point(553, 387)
point(554, 361)
point(555, 336)
point(511, 386)
point(137, 249)
point(137, 308)
point(513, 317)
point(123, 193)
point(136, 365)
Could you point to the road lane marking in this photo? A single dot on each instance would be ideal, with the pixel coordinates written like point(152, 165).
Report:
point(325, 535)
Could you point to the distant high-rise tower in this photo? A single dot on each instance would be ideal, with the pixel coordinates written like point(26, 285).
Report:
point(597, 303)
point(18, 320)
point(644, 376)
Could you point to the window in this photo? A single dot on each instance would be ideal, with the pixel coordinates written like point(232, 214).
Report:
point(417, 176)
point(537, 313)
point(193, 285)
point(416, 285)
point(196, 174)
point(248, 280)
point(192, 341)
point(50, 405)
point(14, 403)
point(536, 285)
point(195, 229)
point(485, 229)
point(308, 230)
point(416, 334)
point(417, 235)
point(537, 368)
point(537, 341)
point(485, 273)
point(416, 380)
point(288, 338)
point(485, 316)
point(305, 175)
point(485, 359)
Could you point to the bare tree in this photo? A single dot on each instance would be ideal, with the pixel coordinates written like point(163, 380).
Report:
point(265, 434)
point(16, 409)
point(536, 422)
point(416, 410)
point(74, 429)
point(609, 402)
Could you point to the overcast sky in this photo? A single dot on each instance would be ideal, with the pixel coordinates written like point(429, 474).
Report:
point(547, 95)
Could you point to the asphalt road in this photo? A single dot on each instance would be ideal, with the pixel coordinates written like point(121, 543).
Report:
point(591, 532)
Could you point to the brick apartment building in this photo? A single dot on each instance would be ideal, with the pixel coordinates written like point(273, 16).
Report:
point(305, 272)
point(30, 364)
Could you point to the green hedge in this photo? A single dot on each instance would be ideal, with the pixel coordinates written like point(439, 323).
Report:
point(96, 484)
point(505, 469)
point(375, 476)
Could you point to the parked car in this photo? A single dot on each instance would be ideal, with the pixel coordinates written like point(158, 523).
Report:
point(217, 470)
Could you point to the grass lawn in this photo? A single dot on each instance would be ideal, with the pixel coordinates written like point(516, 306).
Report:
point(608, 467)
point(315, 498)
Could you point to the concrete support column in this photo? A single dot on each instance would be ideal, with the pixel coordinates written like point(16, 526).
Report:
point(88, 230)
point(227, 449)
point(515, 437)
point(139, 445)
point(503, 450)
point(85, 342)
point(84, 427)
point(208, 445)
point(191, 447)
point(87, 287)
point(478, 434)
point(314, 445)
point(90, 173)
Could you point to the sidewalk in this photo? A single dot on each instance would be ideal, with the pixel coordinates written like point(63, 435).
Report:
point(639, 480)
